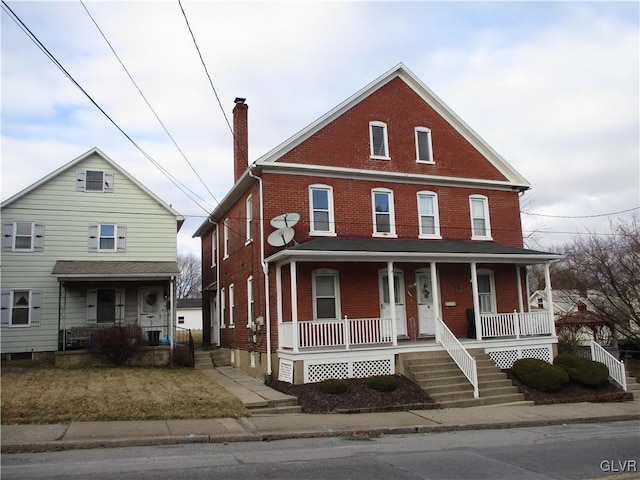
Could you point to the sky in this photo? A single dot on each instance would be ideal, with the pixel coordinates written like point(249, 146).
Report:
point(553, 87)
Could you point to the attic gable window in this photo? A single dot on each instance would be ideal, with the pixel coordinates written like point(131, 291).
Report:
point(424, 151)
point(379, 141)
point(94, 181)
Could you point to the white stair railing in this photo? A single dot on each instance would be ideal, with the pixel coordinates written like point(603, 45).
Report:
point(466, 363)
point(615, 366)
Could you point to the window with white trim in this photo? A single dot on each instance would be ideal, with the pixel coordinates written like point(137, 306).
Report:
point(22, 236)
point(232, 305)
point(225, 242)
point(94, 181)
point(428, 218)
point(223, 307)
point(486, 291)
point(321, 210)
point(378, 140)
point(326, 298)
point(251, 309)
point(21, 308)
point(249, 218)
point(424, 150)
point(384, 224)
point(107, 237)
point(480, 224)
point(214, 248)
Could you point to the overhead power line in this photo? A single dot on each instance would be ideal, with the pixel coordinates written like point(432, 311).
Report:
point(51, 57)
point(582, 216)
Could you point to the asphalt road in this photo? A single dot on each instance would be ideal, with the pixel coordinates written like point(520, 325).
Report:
point(582, 451)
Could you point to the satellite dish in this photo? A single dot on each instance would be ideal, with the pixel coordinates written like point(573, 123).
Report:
point(285, 220)
point(281, 237)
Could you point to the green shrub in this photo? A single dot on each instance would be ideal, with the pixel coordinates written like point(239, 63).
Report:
point(539, 374)
point(582, 370)
point(382, 383)
point(334, 386)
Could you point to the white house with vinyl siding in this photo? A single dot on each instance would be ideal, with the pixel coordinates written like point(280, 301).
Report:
point(85, 247)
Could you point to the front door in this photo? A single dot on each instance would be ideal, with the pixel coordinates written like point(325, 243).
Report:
point(151, 306)
point(215, 330)
point(385, 304)
point(426, 312)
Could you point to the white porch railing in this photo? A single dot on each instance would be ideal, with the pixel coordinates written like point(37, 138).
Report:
point(516, 324)
point(345, 333)
point(463, 359)
point(615, 366)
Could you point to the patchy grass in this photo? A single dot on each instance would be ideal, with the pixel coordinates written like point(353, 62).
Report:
point(40, 394)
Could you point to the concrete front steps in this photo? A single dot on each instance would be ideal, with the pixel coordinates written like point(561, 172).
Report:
point(258, 399)
point(633, 386)
point(438, 375)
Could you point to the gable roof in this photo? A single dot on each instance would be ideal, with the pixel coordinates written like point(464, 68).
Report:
point(80, 159)
point(403, 73)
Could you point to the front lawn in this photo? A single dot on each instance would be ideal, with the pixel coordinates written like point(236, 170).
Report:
point(40, 394)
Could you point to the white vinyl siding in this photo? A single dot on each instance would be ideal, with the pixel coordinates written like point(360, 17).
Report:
point(424, 150)
point(21, 308)
point(428, 217)
point(378, 140)
point(249, 218)
point(321, 210)
point(384, 223)
point(480, 224)
point(107, 237)
point(326, 298)
point(22, 236)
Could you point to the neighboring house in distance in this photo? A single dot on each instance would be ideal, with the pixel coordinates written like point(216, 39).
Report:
point(387, 228)
point(190, 313)
point(85, 247)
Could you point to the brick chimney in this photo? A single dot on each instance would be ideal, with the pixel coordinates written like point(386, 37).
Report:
point(241, 138)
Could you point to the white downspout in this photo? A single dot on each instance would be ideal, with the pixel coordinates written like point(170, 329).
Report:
point(172, 312)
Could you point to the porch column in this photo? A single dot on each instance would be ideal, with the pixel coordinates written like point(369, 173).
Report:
point(547, 287)
point(434, 291)
point(519, 285)
point(279, 302)
point(476, 300)
point(392, 302)
point(294, 304)
point(527, 287)
point(172, 312)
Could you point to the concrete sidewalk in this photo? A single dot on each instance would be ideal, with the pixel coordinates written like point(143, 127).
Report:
point(253, 393)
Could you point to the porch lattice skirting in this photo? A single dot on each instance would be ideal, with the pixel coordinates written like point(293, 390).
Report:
point(317, 370)
point(504, 358)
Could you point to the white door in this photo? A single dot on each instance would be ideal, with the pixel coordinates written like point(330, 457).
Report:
point(426, 311)
point(215, 330)
point(385, 304)
point(151, 306)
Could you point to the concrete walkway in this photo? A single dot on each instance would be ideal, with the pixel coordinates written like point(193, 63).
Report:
point(75, 435)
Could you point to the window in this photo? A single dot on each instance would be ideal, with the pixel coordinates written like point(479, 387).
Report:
point(383, 215)
point(223, 307)
point(22, 236)
point(250, 302)
point(107, 237)
point(225, 244)
point(480, 225)
point(424, 152)
point(232, 305)
point(378, 140)
point(486, 291)
point(180, 320)
point(540, 302)
point(105, 305)
point(321, 210)
point(428, 215)
point(94, 181)
point(21, 308)
point(326, 303)
point(249, 217)
point(214, 248)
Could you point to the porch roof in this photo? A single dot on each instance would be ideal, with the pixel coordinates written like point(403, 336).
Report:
point(382, 249)
point(78, 270)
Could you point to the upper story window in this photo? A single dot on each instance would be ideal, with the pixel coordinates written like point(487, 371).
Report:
point(22, 237)
point(251, 306)
point(428, 217)
point(480, 224)
point(223, 307)
point(225, 240)
point(107, 237)
point(214, 248)
point(21, 308)
point(94, 181)
point(321, 210)
point(424, 152)
point(326, 298)
point(379, 140)
point(249, 218)
point(232, 305)
point(384, 224)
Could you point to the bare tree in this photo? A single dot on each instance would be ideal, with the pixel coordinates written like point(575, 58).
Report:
point(189, 283)
point(607, 268)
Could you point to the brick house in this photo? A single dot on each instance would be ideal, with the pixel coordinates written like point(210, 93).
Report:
point(389, 184)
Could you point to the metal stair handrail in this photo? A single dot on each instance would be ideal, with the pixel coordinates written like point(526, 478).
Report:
point(463, 359)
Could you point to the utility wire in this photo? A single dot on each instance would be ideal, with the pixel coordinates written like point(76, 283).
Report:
point(51, 57)
point(582, 216)
point(147, 101)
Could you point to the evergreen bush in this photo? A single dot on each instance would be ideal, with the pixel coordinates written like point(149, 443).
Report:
point(382, 383)
point(540, 375)
point(334, 386)
point(582, 370)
